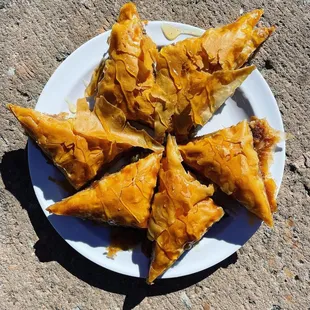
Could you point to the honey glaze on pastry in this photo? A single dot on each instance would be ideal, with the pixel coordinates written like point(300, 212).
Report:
point(232, 160)
point(182, 212)
point(122, 198)
point(265, 139)
point(128, 73)
point(173, 90)
point(82, 145)
point(181, 86)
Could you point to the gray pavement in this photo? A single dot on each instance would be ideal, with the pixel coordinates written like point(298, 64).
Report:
point(38, 270)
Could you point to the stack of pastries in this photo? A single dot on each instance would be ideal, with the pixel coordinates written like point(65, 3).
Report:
point(172, 91)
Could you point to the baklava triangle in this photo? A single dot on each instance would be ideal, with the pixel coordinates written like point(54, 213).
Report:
point(182, 212)
point(238, 163)
point(122, 198)
point(80, 146)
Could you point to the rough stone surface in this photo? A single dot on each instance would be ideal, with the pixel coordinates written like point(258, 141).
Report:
point(38, 270)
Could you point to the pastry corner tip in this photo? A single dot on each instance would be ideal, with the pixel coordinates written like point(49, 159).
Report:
point(53, 209)
point(150, 278)
point(251, 68)
point(259, 12)
point(254, 14)
point(272, 29)
point(148, 282)
point(14, 109)
point(11, 106)
point(269, 221)
point(49, 209)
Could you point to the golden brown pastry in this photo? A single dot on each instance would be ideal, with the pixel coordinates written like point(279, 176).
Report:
point(127, 78)
point(222, 48)
point(181, 212)
point(176, 89)
point(197, 75)
point(113, 121)
point(265, 139)
point(230, 46)
point(80, 146)
point(239, 164)
point(217, 89)
point(97, 75)
point(122, 198)
point(194, 95)
point(128, 72)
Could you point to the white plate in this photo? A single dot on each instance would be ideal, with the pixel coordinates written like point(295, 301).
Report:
point(68, 83)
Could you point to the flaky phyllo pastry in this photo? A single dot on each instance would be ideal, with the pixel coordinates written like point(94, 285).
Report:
point(122, 198)
point(194, 95)
point(173, 90)
point(230, 46)
point(237, 159)
point(182, 85)
point(81, 145)
point(199, 74)
point(128, 73)
point(182, 212)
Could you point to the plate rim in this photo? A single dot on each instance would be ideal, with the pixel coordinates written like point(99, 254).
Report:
point(114, 267)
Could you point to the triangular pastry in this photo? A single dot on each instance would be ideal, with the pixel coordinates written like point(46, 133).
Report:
point(80, 146)
point(128, 72)
point(222, 48)
point(230, 158)
point(230, 46)
point(197, 95)
point(189, 96)
point(181, 212)
point(197, 75)
point(177, 88)
point(122, 198)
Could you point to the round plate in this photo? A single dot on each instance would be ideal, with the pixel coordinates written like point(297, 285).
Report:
point(67, 83)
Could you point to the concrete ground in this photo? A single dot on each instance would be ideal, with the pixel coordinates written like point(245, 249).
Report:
point(38, 270)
